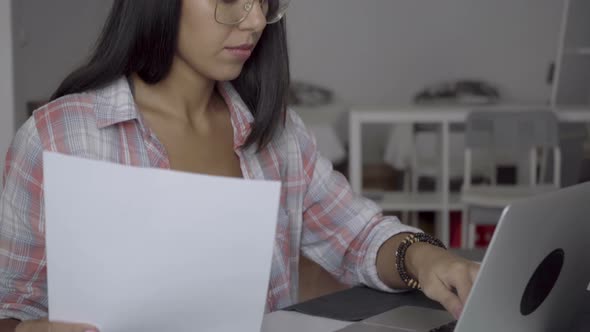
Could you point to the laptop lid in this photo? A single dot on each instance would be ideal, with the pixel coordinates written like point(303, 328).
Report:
point(536, 272)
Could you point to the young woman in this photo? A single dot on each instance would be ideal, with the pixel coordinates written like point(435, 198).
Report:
point(201, 86)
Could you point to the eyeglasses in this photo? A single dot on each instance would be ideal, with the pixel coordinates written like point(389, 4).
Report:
point(232, 12)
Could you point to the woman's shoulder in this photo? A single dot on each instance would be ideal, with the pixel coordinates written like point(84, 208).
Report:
point(77, 104)
point(295, 143)
point(89, 108)
point(81, 124)
point(296, 130)
point(68, 113)
point(294, 120)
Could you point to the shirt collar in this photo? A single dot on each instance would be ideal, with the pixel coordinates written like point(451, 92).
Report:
point(115, 104)
point(241, 117)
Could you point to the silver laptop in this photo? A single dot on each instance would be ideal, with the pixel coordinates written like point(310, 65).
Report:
point(534, 276)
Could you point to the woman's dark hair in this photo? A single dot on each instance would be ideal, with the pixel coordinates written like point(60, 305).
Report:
point(141, 37)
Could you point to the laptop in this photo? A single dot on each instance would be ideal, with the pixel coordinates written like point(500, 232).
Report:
point(534, 276)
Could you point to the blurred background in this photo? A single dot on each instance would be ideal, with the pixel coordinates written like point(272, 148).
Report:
point(383, 60)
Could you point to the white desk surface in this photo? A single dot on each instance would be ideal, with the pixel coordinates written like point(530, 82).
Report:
point(290, 321)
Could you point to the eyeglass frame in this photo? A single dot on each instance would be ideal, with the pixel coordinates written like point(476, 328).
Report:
point(250, 3)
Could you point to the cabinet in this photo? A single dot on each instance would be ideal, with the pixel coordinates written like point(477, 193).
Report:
point(572, 69)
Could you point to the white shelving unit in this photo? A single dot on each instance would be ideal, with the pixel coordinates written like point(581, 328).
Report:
point(402, 201)
point(443, 200)
point(570, 100)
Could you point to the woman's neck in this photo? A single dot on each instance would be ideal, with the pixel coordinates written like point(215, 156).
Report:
point(184, 94)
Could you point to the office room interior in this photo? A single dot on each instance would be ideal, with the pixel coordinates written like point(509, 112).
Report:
point(364, 74)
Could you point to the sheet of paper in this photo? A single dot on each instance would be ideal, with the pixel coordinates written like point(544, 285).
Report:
point(137, 249)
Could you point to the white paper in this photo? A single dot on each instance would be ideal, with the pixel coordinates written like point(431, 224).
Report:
point(137, 249)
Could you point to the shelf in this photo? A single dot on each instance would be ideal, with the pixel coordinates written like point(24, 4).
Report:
point(403, 201)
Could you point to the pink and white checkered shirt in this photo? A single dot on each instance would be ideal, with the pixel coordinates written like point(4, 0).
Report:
point(319, 215)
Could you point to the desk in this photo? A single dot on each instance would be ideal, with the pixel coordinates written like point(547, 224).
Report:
point(295, 321)
point(442, 202)
point(290, 321)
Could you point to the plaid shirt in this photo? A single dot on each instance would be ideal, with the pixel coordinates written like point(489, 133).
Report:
point(319, 215)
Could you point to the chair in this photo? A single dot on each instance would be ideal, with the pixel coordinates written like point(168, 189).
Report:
point(517, 138)
point(416, 149)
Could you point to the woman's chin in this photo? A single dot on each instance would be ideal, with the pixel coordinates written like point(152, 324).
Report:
point(228, 74)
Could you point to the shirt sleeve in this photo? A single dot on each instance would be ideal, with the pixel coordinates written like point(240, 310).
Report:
point(23, 274)
point(342, 231)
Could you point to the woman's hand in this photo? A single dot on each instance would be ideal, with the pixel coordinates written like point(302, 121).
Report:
point(444, 277)
point(43, 325)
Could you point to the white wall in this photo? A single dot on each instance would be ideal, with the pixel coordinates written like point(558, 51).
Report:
point(384, 51)
point(368, 51)
point(6, 82)
point(51, 38)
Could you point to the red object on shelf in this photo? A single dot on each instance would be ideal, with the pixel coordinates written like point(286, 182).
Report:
point(455, 233)
point(483, 233)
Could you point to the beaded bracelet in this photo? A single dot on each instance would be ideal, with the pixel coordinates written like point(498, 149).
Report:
point(400, 256)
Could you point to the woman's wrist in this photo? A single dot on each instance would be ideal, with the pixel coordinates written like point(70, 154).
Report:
point(415, 254)
point(419, 255)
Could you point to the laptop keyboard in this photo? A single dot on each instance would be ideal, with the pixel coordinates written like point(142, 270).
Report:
point(450, 327)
